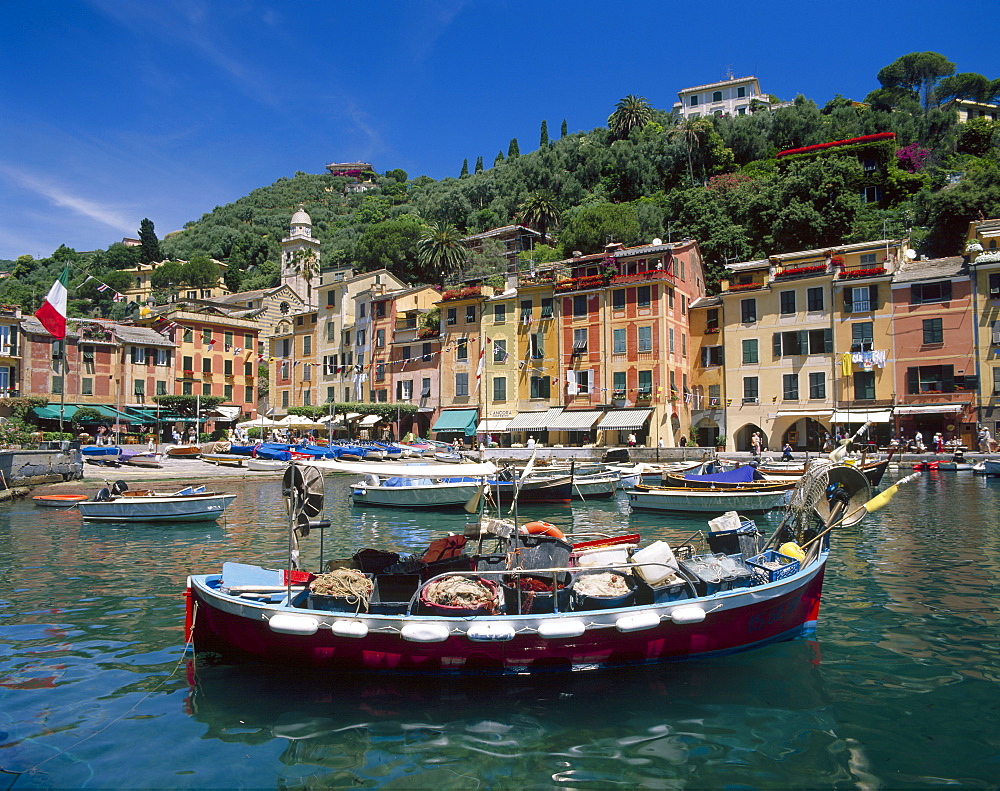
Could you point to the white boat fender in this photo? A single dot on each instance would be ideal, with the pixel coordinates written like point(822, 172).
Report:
point(684, 615)
point(561, 628)
point(287, 623)
point(349, 628)
point(424, 632)
point(637, 622)
point(490, 632)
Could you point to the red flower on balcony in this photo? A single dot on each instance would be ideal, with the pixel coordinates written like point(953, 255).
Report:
point(801, 270)
point(745, 286)
point(870, 272)
point(583, 282)
point(462, 293)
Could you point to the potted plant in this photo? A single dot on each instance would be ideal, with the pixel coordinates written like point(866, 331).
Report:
point(720, 442)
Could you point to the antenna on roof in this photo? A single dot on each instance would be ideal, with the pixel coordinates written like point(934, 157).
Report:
point(729, 73)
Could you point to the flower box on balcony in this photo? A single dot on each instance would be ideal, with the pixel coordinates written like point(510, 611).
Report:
point(429, 332)
point(801, 271)
point(746, 286)
point(581, 283)
point(461, 293)
point(868, 272)
point(188, 374)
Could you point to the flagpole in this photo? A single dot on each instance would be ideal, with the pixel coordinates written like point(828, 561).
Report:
point(65, 373)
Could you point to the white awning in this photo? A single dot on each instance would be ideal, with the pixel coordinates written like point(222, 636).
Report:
point(498, 425)
point(624, 420)
point(859, 416)
point(532, 421)
point(928, 409)
point(369, 420)
point(228, 412)
point(352, 415)
point(804, 413)
point(582, 420)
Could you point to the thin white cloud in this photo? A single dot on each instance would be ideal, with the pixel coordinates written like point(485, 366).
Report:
point(59, 196)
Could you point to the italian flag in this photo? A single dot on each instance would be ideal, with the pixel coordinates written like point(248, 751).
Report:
point(52, 313)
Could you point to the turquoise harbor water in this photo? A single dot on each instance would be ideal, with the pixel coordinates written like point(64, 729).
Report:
point(898, 687)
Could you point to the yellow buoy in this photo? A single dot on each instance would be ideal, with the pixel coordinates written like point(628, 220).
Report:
point(792, 550)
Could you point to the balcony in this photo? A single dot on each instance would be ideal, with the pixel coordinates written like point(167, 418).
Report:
point(745, 287)
point(859, 272)
point(583, 283)
point(470, 292)
point(643, 277)
point(801, 271)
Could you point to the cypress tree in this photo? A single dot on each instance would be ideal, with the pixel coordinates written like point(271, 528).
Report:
point(149, 249)
point(465, 168)
point(513, 150)
point(564, 130)
point(543, 140)
point(479, 165)
point(499, 159)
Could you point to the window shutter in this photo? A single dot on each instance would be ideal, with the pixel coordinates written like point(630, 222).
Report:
point(873, 297)
point(915, 296)
point(946, 291)
point(848, 300)
point(912, 380)
point(803, 341)
point(996, 331)
point(134, 351)
point(828, 341)
point(704, 353)
point(948, 378)
point(776, 344)
point(13, 339)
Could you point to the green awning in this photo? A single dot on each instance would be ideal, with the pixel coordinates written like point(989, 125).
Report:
point(458, 420)
point(52, 412)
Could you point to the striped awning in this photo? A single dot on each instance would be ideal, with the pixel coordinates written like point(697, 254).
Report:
point(493, 425)
point(624, 420)
point(582, 420)
point(532, 421)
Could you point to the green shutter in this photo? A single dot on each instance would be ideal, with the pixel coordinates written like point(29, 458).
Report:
point(848, 300)
point(828, 340)
point(873, 297)
point(776, 344)
point(912, 380)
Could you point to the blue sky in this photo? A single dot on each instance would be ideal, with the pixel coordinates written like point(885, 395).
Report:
point(115, 110)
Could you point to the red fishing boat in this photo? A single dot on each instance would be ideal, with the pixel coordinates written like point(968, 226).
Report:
point(674, 607)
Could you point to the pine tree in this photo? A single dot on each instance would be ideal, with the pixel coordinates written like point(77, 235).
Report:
point(149, 250)
point(465, 168)
point(479, 165)
point(499, 159)
point(564, 130)
point(513, 150)
point(543, 140)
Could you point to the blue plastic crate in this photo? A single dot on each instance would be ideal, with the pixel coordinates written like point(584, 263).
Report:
point(709, 579)
point(789, 566)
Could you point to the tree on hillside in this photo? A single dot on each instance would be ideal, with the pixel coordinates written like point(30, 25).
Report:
point(479, 165)
point(167, 275)
point(590, 228)
point(513, 150)
point(564, 129)
point(632, 112)
point(967, 85)
point(918, 72)
point(149, 245)
point(465, 168)
point(540, 211)
point(498, 159)
point(543, 139)
point(441, 250)
point(200, 272)
point(393, 245)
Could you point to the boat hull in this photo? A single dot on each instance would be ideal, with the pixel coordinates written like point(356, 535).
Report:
point(555, 491)
point(441, 496)
point(58, 500)
point(270, 465)
point(706, 500)
point(157, 509)
point(734, 621)
point(183, 450)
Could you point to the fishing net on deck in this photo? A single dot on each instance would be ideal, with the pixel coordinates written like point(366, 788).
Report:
point(462, 592)
point(810, 489)
point(601, 584)
point(349, 584)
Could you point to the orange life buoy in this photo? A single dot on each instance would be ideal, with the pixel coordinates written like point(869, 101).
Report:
point(543, 529)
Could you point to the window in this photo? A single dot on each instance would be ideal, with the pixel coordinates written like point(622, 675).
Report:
point(379, 309)
point(347, 338)
point(618, 341)
point(643, 296)
point(711, 355)
point(619, 381)
point(933, 331)
point(645, 383)
point(284, 369)
point(138, 355)
point(930, 292)
point(188, 335)
point(870, 194)
point(790, 387)
point(579, 340)
point(499, 351)
point(206, 337)
point(583, 382)
point(618, 299)
point(869, 164)
point(814, 299)
point(750, 352)
point(670, 298)
point(526, 311)
point(227, 393)
point(227, 367)
point(821, 341)
point(206, 389)
point(547, 308)
point(306, 373)
point(362, 307)
point(670, 340)
point(425, 350)
point(539, 387)
point(499, 313)
point(227, 338)
point(86, 386)
point(500, 388)
point(461, 384)
point(748, 311)
point(932, 379)
point(861, 299)
point(862, 336)
point(580, 305)
point(284, 399)
point(750, 391)
point(452, 316)
point(717, 96)
point(379, 339)
point(188, 363)
point(404, 353)
point(817, 385)
point(995, 286)
point(286, 347)
point(787, 301)
point(163, 357)
point(684, 344)
point(693, 101)
point(187, 388)
point(462, 349)
point(868, 260)
point(646, 339)
point(404, 390)
point(470, 314)
point(535, 346)
point(714, 395)
point(206, 365)
point(712, 320)
point(864, 385)
point(425, 387)
point(161, 387)
point(741, 92)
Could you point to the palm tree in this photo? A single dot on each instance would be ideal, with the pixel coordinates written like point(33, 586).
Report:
point(440, 249)
point(540, 211)
point(632, 112)
point(691, 131)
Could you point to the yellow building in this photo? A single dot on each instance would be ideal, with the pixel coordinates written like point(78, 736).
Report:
point(983, 252)
point(141, 288)
point(708, 377)
point(294, 369)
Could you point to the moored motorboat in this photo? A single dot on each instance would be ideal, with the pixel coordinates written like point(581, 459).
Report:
point(191, 504)
point(529, 606)
point(186, 451)
point(666, 498)
point(224, 459)
point(743, 477)
point(142, 458)
point(266, 465)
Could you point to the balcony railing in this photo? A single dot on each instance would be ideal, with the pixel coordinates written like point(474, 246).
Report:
point(643, 277)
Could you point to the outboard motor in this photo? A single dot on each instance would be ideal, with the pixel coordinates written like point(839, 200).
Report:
point(118, 487)
point(103, 495)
